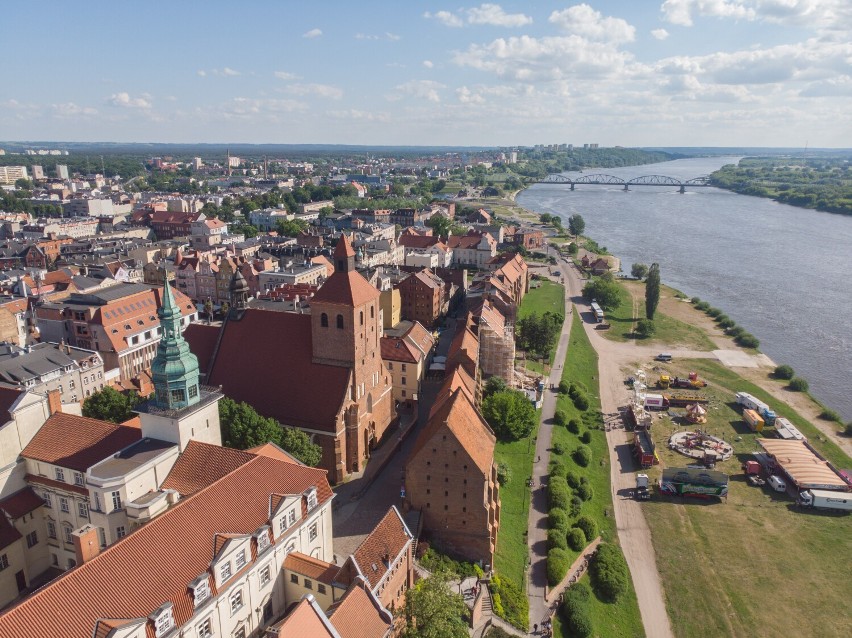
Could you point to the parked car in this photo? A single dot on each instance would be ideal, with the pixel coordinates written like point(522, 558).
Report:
point(663, 356)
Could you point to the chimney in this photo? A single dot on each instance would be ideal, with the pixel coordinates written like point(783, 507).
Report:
point(87, 545)
point(54, 401)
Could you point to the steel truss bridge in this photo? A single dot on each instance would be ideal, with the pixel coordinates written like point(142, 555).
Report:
point(612, 180)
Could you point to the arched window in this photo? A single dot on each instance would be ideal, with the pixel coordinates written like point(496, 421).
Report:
point(362, 317)
point(324, 320)
point(340, 321)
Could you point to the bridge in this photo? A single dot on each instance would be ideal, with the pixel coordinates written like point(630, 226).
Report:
point(612, 180)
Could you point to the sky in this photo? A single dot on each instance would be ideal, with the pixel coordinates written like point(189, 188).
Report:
point(406, 72)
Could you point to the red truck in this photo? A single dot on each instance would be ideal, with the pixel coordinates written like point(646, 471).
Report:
point(643, 448)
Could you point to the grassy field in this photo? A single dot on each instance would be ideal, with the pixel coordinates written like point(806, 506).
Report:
point(581, 365)
point(753, 564)
point(670, 331)
point(548, 297)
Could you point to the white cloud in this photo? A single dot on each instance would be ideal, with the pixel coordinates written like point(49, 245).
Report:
point(313, 33)
point(660, 34)
point(124, 100)
point(69, 109)
point(363, 116)
point(320, 90)
point(370, 36)
point(393, 37)
point(364, 36)
point(227, 72)
point(832, 87)
point(419, 89)
point(202, 73)
point(494, 15)
point(242, 107)
point(446, 18)
point(285, 75)
point(428, 64)
point(584, 21)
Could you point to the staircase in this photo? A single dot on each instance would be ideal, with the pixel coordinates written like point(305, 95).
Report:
point(487, 606)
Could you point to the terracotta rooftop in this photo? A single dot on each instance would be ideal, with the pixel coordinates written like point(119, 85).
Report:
point(21, 502)
point(418, 241)
point(77, 442)
point(398, 349)
point(360, 615)
point(306, 619)
point(202, 464)
point(377, 552)
point(274, 452)
point(155, 563)
point(314, 568)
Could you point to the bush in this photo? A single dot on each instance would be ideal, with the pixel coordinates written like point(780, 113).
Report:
point(504, 473)
point(564, 387)
point(726, 323)
point(695, 300)
point(722, 317)
point(798, 385)
point(560, 417)
point(608, 572)
point(586, 437)
point(558, 519)
point(558, 493)
point(576, 539)
point(702, 305)
point(558, 562)
point(573, 479)
point(574, 426)
point(829, 415)
point(557, 467)
point(714, 312)
point(558, 448)
point(589, 527)
point(585, 491)
point(576, 506)
point(515, 604)
point(848, 429)
point(784, 372)
point(556, 539)
point(747, 340)
point(575, 611)
point(435, 561)
point(645, 328)
point(581, 402)
point(582, 456)
point(735, 331)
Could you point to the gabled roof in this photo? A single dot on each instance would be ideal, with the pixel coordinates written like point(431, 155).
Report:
point(419, 337)
point(377, 551)
point(346, 289)
point(426, 278)
point(76, 442)
point(21, 502)
point(307, 619)
point(458, 379)
point(359, 614)
point(313, 568)
point(154, 564)
point(398, 349)
point(274, 452)
point(202, 464)
point(418, 241)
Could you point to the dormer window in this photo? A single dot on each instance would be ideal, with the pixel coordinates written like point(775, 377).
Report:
point(200, 590)
point(240, 559)
point(225, 571)
point(312, 498)
point(164, 620)
point(262, 540)
point(292, 517)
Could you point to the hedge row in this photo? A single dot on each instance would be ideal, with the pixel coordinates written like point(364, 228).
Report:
point(609, 573)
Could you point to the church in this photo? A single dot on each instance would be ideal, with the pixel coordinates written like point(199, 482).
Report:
point(320, 372)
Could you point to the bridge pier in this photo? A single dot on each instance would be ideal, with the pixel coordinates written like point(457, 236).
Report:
point(682, 189)
point(572, 185)
point(626, 188)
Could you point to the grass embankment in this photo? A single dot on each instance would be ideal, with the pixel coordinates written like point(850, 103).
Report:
point(754, 564)
point(581, 366)
point(548, 297)
point(669, 331)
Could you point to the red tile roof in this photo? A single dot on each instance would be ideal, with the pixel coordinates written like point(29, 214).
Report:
point(202, 464)
point(360, 615)
point(314, 568)
point(21, 502)
point(77, 442)
point(398, 349)
point(266, 359)
point(274, 452)
point(377, 552)
point(418, 241)
point(154, 564)
point(306, 620)
point(202, 341)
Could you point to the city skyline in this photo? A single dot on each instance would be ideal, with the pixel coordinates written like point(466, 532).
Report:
point(673, 73)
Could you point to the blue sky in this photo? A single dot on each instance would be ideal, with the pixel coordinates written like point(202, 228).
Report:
point(630, 72)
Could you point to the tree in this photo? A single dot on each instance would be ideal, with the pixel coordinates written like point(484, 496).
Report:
point(443, 226)
point(494, 384)
point(290, 227)
point(249, 231)
point(652, 290)
point(645, 328)
point(299, 444)
point(510, 414)
point(606, 293)
point(639, 271)
point(111, 405)
point(576, 224)
point(433, 611)
point(538, 333)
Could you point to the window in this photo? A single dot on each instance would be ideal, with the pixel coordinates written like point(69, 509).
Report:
point(51, 529)
point(294, 579)
point(361, 317)
point(164, 623)
point(201, 591)
point(178, 395)
point(54, 559)
point(390, 365)
point(312, 499)
point(282, 524)
point(4, 561)
point(97, 501)
point(321, 589)
point(236, 600)
point(265, 576)
point(225, 571)
point(193, 391)
point(324, 320)
point(312, 531)
point(63, 504)
point(308, 584)
point(78, 479)
point(48, 500)
point(240, 633)
point(240, 559)
point(116, 500)
point(404, 367)
point(404, 381)
point(403, 393)
point(340, 322)
point(262, 541)
point(66, 532)
point(292, 517)
point(32, 539)
point(82, 509)
point(205, 629)
point(60, 474)
point(71, 384)
point(120, 532)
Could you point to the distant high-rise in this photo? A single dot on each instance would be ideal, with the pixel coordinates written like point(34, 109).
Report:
point(11, 174)
point(38, 171)
point(62, 171)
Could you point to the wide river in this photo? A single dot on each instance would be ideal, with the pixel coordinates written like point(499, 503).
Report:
point(783, 273)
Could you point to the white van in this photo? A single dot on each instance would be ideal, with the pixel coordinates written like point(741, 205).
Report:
point(777, 483)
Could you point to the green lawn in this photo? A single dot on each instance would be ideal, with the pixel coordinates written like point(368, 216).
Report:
point(729, 566)
point(547, 297)
point(621, 620)
point(581, 365)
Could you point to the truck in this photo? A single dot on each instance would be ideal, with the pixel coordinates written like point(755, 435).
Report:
point(642, 493)
point(664, 381)
point(825, 499)
point(638, 417)
point(643, 448)
point(693, 481)
point(655, 402)
point(690, 382)
point(752, 471)
point(769, 417)
point(786, 430)
point(752, 418)
point(683, 399)
point(753, 403)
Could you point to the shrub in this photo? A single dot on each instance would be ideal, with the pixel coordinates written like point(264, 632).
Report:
point(581, 402)
point(556, 538)
point(735, 331)
point(558, 493)
point(702, 305)
point(589, 527)
point(848, 429)
point(585, 491)
point(645, 328)
point(558, 563)
point(608, 572)
point(586, 437)
point(582, 456)
point(784, 372)
point(558, 448)
point(564, 388)
point(829, 415)
point(722, 317)
point(575, 611)
point(557, 467)
point(798, 385)
point(504, 473)
point(515, 604)
point(576, 506)
point(726, 323)
point(560, 417)
point(714, 312)
point(576, 539)
point(574, 426)
point(573, 479)
point(695, 300)
point(747, 340)
point(558, 519)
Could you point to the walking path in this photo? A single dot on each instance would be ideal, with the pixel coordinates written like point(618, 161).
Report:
point(578, 568)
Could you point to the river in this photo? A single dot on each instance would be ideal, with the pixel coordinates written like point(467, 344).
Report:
point(783, 273)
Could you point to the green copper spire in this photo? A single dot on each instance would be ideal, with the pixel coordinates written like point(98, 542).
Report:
point(175, 368)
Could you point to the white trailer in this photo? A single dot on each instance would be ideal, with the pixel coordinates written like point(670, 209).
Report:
point(826, 499)
point(786, 430)
point(751, 403)
point(655, 402)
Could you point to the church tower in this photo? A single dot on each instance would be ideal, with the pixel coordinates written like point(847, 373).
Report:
point(180, 410)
